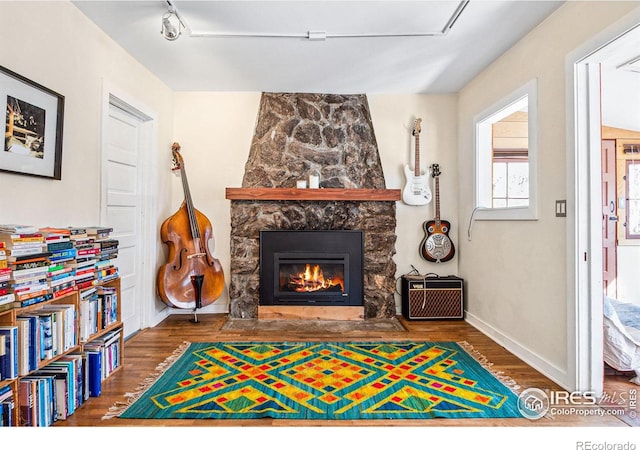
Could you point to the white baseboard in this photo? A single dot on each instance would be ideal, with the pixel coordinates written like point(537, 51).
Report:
point(552, 372)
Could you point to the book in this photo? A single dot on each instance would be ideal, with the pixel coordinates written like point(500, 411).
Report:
point(23, 251)
point(30, 264)
point(48, 341)
point(59, 246)
point(95, 373)
point(12, 228)
point(98, 231)
point(23, 350)
point(10, 359)
point(35, 300)
point(26, 402)
point(54, 231)
point(7, 299)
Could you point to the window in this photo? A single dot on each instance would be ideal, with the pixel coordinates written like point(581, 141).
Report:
point(632, 216)
point(506, 157)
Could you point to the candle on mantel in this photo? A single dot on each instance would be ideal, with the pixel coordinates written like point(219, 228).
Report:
point(314, 180)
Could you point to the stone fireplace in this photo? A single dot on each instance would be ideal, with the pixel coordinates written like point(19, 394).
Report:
point(333, 136)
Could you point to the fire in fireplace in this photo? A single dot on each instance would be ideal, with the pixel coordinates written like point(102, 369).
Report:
point(312, 278)
point(311, 267)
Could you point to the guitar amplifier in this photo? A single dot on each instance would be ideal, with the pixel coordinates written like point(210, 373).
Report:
point(432, 297)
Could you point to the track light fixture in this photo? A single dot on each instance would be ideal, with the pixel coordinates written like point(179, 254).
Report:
point(171, 24)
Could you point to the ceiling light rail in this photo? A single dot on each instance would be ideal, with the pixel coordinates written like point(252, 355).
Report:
point(179, 23)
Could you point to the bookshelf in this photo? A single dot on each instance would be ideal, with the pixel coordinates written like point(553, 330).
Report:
point(77, 347)
point(64, 322)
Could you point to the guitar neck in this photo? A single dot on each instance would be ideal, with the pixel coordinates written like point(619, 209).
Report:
point(437, 201)
point(416, 169)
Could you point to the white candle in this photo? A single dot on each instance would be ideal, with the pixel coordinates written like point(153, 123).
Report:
point(314, 181)
point(301, 184)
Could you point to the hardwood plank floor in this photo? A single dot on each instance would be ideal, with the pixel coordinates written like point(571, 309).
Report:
point(148, 348)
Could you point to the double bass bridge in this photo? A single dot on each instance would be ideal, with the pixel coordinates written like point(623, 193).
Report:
point(196, 255)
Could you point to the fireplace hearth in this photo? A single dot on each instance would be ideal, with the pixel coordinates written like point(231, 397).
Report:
point(312, 268)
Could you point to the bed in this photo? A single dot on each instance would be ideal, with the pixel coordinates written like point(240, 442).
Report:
point(622, 336)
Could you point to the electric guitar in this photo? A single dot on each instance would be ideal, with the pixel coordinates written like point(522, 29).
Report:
point(436, 245)
point(416, 190)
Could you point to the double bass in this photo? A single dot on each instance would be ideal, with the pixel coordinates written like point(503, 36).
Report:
point(191, 278)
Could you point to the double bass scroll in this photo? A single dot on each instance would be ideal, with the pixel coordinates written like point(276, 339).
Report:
point(191, 278)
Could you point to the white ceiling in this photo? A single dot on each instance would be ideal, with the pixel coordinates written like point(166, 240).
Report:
point(425, 47)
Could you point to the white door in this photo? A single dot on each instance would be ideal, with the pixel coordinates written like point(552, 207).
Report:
point(124, 140)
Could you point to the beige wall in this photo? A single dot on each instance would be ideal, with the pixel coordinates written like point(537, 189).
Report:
point(516, 271)
point(215, 132)
point(55, 45)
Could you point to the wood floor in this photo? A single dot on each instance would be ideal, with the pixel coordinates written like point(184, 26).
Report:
point(148, 348)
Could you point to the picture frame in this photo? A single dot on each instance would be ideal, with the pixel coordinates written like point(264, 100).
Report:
point(34, 117)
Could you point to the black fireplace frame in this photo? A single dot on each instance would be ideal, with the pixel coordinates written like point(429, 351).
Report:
point(312, 245)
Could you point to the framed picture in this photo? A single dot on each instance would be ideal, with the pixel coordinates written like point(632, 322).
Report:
point(33, 127)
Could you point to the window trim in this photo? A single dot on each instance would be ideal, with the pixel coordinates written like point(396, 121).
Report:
point(483, 157)
point(628, 235)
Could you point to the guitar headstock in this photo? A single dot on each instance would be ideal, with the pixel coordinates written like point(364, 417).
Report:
point(177, 157)
point(416, 126)
point(435, 170)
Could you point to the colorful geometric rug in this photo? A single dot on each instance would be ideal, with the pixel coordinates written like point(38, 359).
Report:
point(322, 380)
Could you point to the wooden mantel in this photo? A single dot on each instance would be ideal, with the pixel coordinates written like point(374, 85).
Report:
point(329, 194)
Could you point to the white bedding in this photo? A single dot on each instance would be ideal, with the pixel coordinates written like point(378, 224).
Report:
point(622, 342)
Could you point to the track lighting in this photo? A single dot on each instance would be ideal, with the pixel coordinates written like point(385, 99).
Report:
point(171, 25)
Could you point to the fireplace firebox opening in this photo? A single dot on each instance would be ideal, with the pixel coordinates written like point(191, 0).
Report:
point(314, 268)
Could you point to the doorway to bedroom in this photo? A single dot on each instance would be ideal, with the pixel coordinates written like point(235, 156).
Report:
point(599, 263)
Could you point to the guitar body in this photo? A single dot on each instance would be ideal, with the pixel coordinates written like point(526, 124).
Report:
point(436, 245)
point(416, 190)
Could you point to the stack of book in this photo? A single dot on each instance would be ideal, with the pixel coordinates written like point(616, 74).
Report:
point(29, 263)
point(85, 259)
point(106, 268)
point(38, 264)
point(61, 275)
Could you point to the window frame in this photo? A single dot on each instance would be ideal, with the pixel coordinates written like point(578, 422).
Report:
point(483, 154)
point(628, 235)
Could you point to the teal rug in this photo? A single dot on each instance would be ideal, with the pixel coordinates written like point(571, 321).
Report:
point(322, 380)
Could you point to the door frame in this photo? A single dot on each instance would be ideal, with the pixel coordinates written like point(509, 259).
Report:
point(584, 224)
point(113, 95)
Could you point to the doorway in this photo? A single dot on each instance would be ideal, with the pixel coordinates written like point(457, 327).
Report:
point(587, 263)
point(127, 135)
